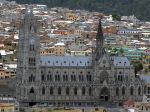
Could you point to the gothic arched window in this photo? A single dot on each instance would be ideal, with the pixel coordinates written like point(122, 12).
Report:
point(90, 91)
point(32, 61)
point(67, 91)
point(51, 90)
point(117, 91)
point(31, 78)
point(131, 91)
point(43, 78)
point(75, 91)
point(126, 78)
point(74, 77)
point(148, 90)
point(80, 79)
point(59, 90)
point(48, 78)
point(83, 90)
point(71, 77)
point(144, 89)
point(58, 77)
point(119, 78)
point(123, 91)
point(139, 90)
point(64, 78)
point(43, 91)
point(32, 90)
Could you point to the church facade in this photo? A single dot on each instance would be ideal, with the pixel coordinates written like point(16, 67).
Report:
point(71, 80)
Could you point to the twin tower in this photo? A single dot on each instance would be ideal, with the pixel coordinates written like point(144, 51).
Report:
point(71, 80)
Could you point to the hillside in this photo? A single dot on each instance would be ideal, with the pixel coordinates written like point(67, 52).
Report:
point(140, 8)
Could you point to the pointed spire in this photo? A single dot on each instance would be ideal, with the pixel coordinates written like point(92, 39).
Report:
point(99, 31)
point(99, 41)
point(29, 10)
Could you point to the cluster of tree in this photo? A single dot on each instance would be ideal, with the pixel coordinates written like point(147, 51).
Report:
point(140, 8)
point(138, 66)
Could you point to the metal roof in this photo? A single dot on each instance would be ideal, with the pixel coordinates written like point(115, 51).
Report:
point(65, 61)
point(121, 61)
point(145, 78)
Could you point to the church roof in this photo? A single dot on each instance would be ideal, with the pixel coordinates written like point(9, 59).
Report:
point(145, 78)
point(66, 61)
point(120, 61)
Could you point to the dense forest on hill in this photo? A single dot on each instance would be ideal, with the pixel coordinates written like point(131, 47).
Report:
point(140, 8)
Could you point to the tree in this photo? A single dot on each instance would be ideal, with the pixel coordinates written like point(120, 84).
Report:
point(121, 51)
point(137, 66)
point(116, 17)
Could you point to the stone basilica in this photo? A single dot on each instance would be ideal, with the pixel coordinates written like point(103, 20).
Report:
point(71, 80)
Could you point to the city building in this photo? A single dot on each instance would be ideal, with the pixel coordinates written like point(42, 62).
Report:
point(71, 80)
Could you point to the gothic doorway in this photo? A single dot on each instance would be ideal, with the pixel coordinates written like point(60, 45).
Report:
point(32, 95)
point(104, 94)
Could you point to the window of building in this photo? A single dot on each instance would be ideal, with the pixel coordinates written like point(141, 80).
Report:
point(131, 91)
point(71, 77)
point(32, 61)
point(43, 91)
point(47, 77)
point(90, 91)
point(74, 77)
point(66, 77)
point(123, 91)
point(80, 78)
point(119, 78)
point(117, 91)
point(139, 90)
point(83, 90)
point(145, 89)
point(67, 91)
point(75, 91)
point(50, 77)
point(43, 78)
point(148, 90)
point(59, 90)
point(31, 47)
point(51, 90)
point(89, 78)
point(58, 77)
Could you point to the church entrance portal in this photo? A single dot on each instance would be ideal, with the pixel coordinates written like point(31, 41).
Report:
point(104, 95)
point(32, 104)
point(32, 97)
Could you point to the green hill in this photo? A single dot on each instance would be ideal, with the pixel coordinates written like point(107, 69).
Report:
point(140, 8)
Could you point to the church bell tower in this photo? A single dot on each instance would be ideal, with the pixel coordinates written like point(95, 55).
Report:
point(28, 58)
